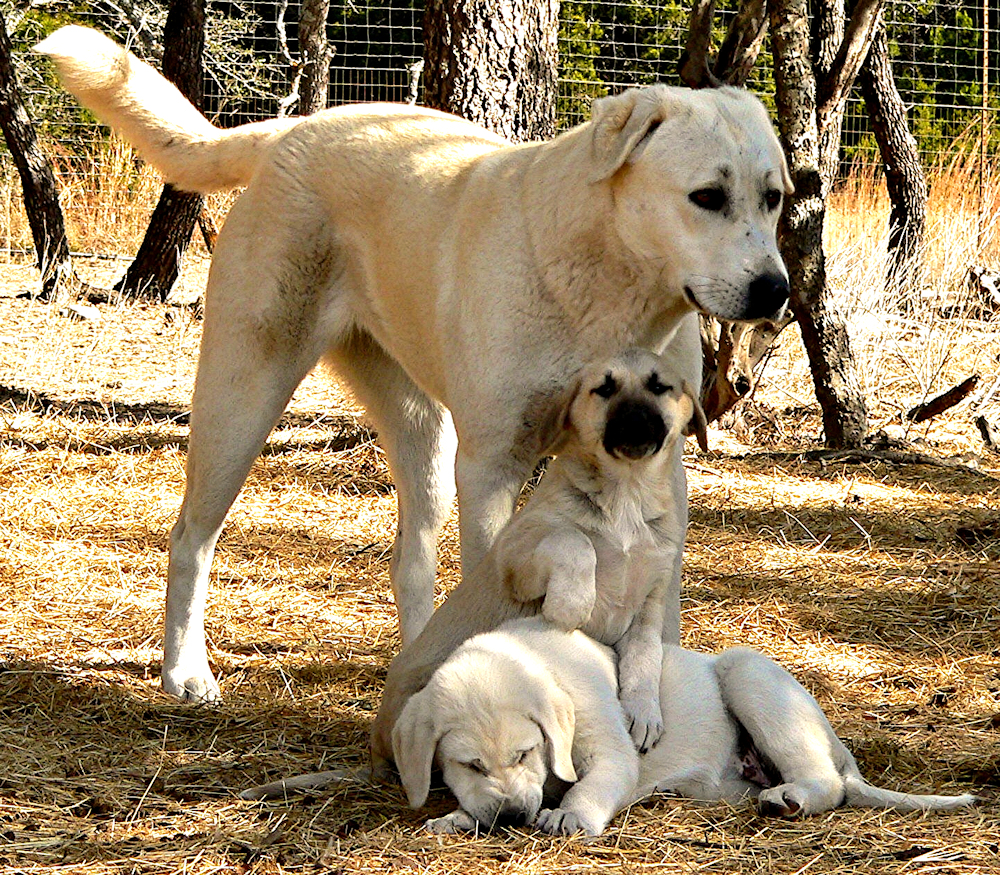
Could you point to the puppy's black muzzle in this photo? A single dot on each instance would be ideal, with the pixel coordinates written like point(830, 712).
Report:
point(767, 297)
point(634, 430)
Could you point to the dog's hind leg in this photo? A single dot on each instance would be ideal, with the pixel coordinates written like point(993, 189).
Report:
point(419, 441)
point(790, 729)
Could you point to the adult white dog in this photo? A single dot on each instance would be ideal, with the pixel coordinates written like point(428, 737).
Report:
point(529, 713)
point(446, 275)
point(597, 546)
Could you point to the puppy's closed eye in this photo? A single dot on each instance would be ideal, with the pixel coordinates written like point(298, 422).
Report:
point(477, 767)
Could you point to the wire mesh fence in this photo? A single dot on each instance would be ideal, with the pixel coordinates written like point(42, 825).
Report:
point(946, 56)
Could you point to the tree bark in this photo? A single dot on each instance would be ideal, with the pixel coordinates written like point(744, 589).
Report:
point(904, 174)
point(41, 196)
point(494, 64)
point(824, 333)
point(158, 263)
point(315, 53)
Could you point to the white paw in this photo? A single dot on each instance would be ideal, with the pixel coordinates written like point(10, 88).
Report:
point(456, 822)
point(785, 800)
point(560, 822)
point(644, 720)
point(568, 610)
point(199, 687)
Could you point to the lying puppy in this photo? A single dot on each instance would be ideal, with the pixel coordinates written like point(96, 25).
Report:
point(597, 546)
point(518, 715)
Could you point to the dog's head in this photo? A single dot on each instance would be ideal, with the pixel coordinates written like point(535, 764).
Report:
point(698, 178)
point(496, 724)
point(629, 408)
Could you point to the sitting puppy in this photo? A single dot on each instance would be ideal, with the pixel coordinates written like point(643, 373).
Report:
point(597, 546)
point(529, 712)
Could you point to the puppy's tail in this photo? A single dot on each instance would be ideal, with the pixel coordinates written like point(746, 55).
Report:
point(861, 794)
point(149, 112)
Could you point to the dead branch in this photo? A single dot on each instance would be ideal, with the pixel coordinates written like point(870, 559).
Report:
point(942, 402)
point(694, 68)
point(850, 56)
point(742, 44)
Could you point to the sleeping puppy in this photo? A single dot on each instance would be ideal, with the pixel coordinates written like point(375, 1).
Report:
point(528, 713)
point(597, 546)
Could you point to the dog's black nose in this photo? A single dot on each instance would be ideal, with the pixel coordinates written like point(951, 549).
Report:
point(766, 297)
point(634, 430)
point(511, 816)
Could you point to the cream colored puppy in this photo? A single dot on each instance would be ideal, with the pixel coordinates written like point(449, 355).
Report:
point(598, 544)
point(528, 714)
point(455, 281)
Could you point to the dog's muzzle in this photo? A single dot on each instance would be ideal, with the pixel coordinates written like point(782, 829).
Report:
point(766, 297)
point(634, 430)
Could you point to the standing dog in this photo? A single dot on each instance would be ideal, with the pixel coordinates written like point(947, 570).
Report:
point(455, 281)
point(598, 545)
point(529, 712)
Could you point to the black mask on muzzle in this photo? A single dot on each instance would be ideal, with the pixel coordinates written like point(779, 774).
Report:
point(634, 430)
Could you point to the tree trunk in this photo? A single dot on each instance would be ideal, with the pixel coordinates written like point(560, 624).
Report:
point(904, 175)
point(41, 197)
point(494, 64)
point(158, 263)
point(315, 53)
point(824, 333)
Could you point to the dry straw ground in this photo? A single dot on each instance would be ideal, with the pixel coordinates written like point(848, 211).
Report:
point(876, 582)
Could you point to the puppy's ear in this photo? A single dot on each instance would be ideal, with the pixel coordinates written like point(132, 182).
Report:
point(620, 124)
point(697, 424)
point(554, 424)
point(414, 741)
point(552, 709)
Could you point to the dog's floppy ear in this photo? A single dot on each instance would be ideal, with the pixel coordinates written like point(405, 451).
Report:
point(414, 741)
point(620, 123)
point(554, 424)
point(697, 424)
point(552, 709)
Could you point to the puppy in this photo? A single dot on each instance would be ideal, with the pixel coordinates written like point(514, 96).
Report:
point(597, 546)
point(528, 712)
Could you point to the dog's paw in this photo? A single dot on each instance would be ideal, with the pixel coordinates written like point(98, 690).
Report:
point(456, 822)
point(785, 800)
point(560, 822)
point(568, 610)
point(645, 721)
point(198, 687)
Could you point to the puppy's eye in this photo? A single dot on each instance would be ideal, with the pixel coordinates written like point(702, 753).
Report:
point(607, 388)
point(712, 199)
point(772, 197)
point(654, 385)
point(476, 766)
point(523, 755)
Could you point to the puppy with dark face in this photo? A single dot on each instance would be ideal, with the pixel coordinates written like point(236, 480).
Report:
point(597, 546)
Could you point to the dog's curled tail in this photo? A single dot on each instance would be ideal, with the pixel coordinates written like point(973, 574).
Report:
point(861, 794)
point(151, 114)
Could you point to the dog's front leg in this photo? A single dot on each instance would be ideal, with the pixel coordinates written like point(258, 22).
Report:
point(640, 660)
point(605, 788)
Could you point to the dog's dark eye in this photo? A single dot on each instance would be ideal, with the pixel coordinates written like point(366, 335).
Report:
point(523, 755)
point(476, 766)
point(712, 199)
point(607, 388)
point(654, 385)
point(772, 197)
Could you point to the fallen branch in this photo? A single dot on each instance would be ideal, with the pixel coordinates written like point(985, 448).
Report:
point(944, 401)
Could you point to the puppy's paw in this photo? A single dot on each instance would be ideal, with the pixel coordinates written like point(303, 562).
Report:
point(456, 822)
point(644, 719)
point(560, 822)
point(785, 800)
point(567, 609)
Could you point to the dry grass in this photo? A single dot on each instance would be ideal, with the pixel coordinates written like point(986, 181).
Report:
point(877, 584)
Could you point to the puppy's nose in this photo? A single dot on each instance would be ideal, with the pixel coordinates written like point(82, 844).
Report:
point(634, 430)
point(766, 297)
point(511, 815)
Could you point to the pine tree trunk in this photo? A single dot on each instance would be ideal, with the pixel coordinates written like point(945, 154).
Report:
point(824, 333)
point(904, 175)
point(41, 197)
point(494, 64)
point(316, 54)
point(158, 263)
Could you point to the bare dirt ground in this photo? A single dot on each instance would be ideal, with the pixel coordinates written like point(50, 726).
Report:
point(876, 582)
